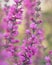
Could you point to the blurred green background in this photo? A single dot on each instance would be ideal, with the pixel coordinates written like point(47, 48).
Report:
point(47, 19)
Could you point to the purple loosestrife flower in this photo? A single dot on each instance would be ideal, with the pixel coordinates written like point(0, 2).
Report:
point(11, 19)
point(31, 45)
point(31, 42)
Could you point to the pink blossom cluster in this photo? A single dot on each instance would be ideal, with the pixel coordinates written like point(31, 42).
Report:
point(31, 50)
